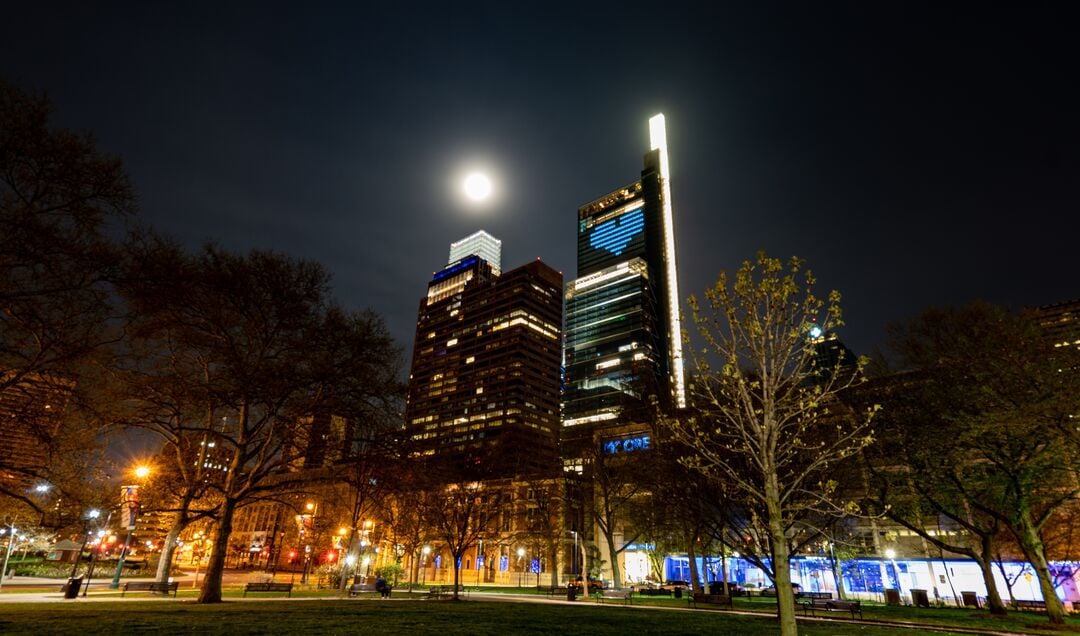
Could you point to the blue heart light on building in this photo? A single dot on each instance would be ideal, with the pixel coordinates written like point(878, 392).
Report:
point(616, 234)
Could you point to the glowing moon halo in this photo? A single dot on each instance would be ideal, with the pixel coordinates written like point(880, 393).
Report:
point(477, 186)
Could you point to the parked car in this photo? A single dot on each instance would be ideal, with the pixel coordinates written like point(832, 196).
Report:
point(673, 585)
point(594, 584)
point(717, 587)
point(771, 590)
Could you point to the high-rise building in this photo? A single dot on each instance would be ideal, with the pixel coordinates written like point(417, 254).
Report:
point(1060, 322)
point(481, 244)
point(623, 337)
point(484, 381)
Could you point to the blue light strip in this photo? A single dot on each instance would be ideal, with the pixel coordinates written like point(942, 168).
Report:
point(616, 234)
point(464, 263)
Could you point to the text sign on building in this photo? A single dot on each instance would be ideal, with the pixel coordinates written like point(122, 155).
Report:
point(626, 444)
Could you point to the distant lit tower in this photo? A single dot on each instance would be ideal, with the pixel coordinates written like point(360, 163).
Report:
point(623, 334)
point(484, 380)
point(481, 244)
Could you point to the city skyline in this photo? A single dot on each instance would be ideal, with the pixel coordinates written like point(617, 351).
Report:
point(916, 158)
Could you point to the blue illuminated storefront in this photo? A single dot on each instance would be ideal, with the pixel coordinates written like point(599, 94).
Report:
point(942, 579)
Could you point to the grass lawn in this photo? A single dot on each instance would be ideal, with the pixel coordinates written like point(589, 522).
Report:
point(398, 617)
point(1020, 622)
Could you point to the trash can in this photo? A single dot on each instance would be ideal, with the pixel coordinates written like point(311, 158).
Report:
point(678, 592)
point(919, 598)
point(72, 588)
point(571, 592)
point(971, 599)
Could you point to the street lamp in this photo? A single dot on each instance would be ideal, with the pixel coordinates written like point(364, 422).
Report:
point(521, 567)
point(423, 564)
point(575, 564)
point(307, 520)
point(130, 500)
point(890, 554)
point(7, 555)
point(94, 552)
point(90, 516)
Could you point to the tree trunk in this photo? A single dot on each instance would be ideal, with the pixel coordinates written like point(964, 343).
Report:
point(1036, 554)
point(725, 572)
point(168, 550)
point(211, 587)
point(985, 559)
point(695, 580)
point(349, 554)
point(616, 573)
point(838, 573)
point(457, 574)
point(785, 596)
point(554, 566)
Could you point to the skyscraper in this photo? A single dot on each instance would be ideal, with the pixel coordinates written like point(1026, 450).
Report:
point(481, 244)
point(484, 381)
point(623, 337)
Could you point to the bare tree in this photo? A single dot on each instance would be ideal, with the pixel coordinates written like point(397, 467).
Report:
point(461, 510)
point(766, 420)
point(59, 199)
point(258, 349)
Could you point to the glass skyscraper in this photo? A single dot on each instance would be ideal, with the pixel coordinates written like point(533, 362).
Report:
point(622, 338)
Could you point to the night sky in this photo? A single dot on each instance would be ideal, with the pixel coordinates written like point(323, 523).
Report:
point(914, 155)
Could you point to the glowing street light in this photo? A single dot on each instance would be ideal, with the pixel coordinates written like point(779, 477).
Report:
point(10, 531)
point(423, 564)
point(890, 554)
point(521, 568)
point(90, 516)
point(130, 501)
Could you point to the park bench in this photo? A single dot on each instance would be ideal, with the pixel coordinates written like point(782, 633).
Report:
point(1029, 605)
point(150, 586)
point(361, 588)
point(555, 590)
point(707, 600)
point(813, 595)
point(268, 587)
point(814, 605)
point(446, 591)
point(614, 595)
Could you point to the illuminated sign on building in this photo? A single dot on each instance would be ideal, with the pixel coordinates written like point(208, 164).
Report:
point(614, 235)
point(627, 444)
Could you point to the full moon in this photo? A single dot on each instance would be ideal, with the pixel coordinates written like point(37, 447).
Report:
point(477, 186)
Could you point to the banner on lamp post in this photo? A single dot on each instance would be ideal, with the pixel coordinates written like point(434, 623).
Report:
point(129, 505)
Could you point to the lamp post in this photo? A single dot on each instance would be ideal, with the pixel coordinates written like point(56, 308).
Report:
point(307, 520)
point(130, 499)
point(94, 553)
point(10, 531)
point(90, 516)
point(890, 554)
point(479, 560)
point(575, 565)
point(423, 564)
point(521, 565)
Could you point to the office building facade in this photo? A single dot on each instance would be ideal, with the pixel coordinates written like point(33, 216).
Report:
point(623, 333)
point(484, 380)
